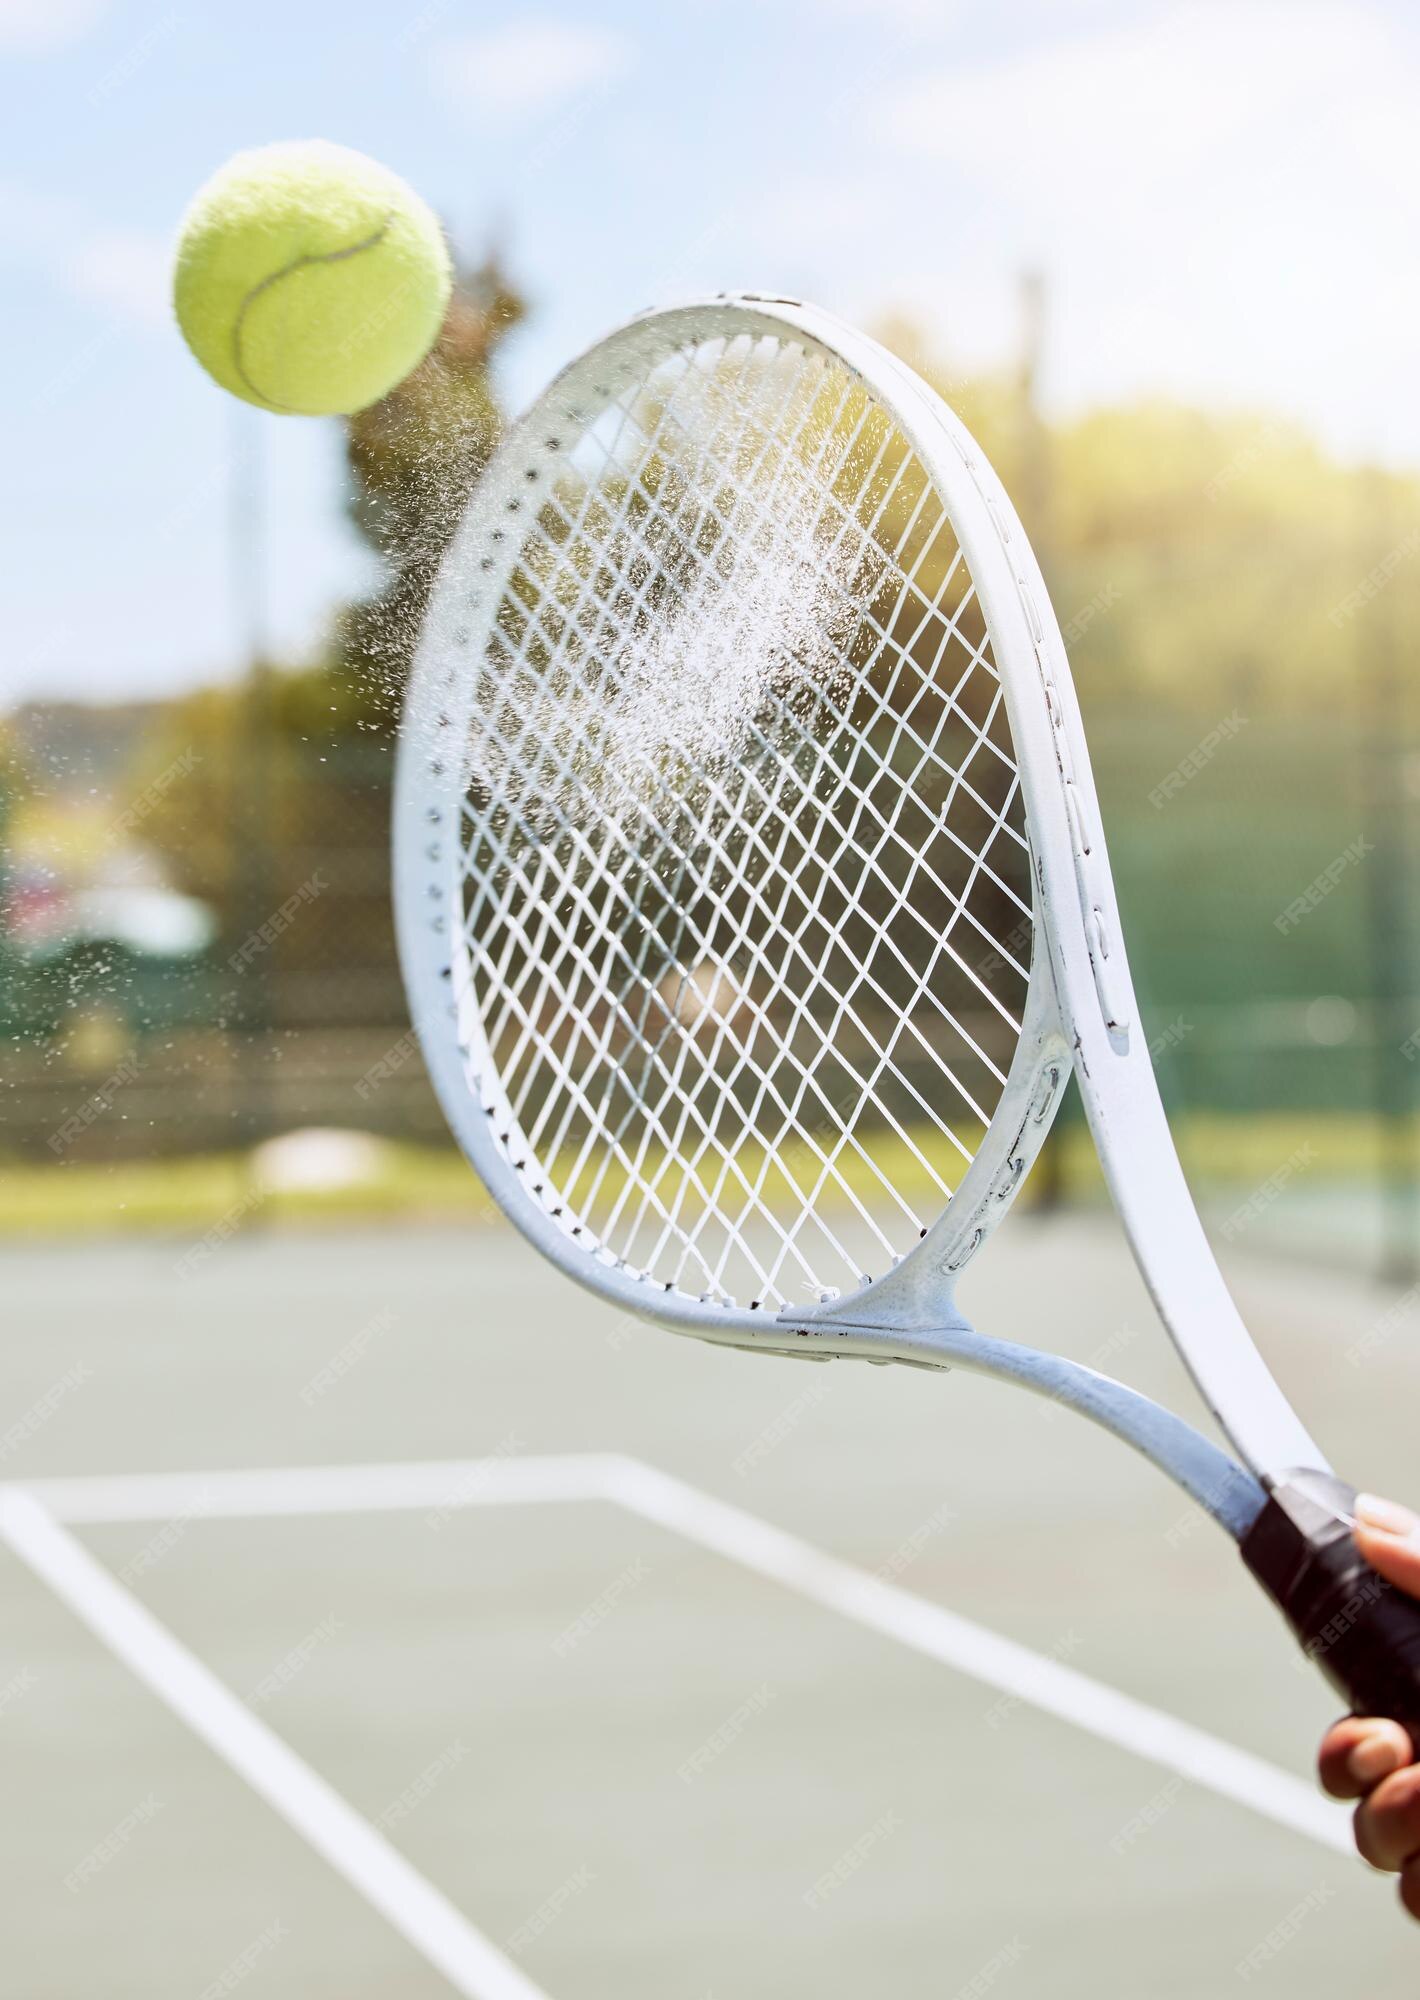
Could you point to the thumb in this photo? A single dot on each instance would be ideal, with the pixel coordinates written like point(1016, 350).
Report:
point(1388, 1536)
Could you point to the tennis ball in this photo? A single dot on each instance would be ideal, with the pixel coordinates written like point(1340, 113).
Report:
point(309, 279)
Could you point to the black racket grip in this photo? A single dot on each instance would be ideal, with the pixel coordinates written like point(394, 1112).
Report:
point(1362, 1632)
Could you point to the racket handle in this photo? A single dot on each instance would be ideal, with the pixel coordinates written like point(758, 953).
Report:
point(1361, 1632)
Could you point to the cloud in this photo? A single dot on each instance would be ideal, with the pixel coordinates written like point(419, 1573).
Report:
point(42, 27)
point(33, 223)
point(921, 15)
point(1222, 197)
point(122, 270)
point(127, 272)
point(1116, 117)
point(519, 72)
point(803, 212)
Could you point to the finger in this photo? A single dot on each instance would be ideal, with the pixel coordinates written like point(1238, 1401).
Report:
point(1357, 1752)
point(1410, 1888)
point(1388, 1536)
point(1388, 1822)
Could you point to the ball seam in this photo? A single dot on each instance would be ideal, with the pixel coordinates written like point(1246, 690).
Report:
point(274, 277)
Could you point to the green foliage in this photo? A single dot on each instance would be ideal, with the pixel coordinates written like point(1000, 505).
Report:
point(297, 764)
point(415, 457)
point(1242, 614)
point(1205, 567)
point(1197, 560)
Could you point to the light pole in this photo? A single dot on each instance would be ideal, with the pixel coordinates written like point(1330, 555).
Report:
point(1384, 728)
point(250, 822)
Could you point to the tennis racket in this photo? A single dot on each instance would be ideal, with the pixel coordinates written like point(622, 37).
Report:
point(754, 909)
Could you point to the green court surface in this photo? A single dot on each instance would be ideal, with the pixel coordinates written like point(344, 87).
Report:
point(385, 1617)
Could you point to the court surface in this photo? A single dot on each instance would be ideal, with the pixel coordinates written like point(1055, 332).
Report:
point(385, 1617)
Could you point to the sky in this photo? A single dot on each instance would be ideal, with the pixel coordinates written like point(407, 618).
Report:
point(1223, 195)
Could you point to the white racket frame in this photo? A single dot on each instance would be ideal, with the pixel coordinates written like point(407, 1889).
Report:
point(1080, 1011)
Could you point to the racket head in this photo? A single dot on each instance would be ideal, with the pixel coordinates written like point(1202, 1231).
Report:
point(738, 764)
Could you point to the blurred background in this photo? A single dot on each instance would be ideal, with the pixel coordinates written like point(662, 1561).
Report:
point(1162, 260)
point(1158, 257)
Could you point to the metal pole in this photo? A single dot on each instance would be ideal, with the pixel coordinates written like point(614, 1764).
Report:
point(251, 874)
point(1384, 728)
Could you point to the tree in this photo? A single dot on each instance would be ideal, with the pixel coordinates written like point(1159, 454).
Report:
point(415, 456)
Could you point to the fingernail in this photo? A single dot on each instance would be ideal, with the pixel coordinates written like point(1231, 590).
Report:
point(1374, 1758)
point(1385, 1516)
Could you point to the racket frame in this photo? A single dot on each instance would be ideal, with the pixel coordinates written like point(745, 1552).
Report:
point(1080, 1010)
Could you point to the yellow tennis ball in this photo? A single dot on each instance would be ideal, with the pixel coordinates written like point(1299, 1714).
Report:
point(309, 279)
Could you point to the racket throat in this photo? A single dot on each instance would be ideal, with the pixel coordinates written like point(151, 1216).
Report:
point(1220, 1486)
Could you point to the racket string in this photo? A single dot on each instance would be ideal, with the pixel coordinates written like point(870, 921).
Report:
point(711, 1000)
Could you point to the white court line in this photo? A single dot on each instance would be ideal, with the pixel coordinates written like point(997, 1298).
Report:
point(986, 1656)
point(885, 1608)
point(304, 1800)
point(281, 1490)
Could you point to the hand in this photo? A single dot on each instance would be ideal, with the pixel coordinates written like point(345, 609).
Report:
point(1368, 1758)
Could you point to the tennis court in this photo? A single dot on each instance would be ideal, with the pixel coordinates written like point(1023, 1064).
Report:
point(703, 629)
point(487, 1643)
